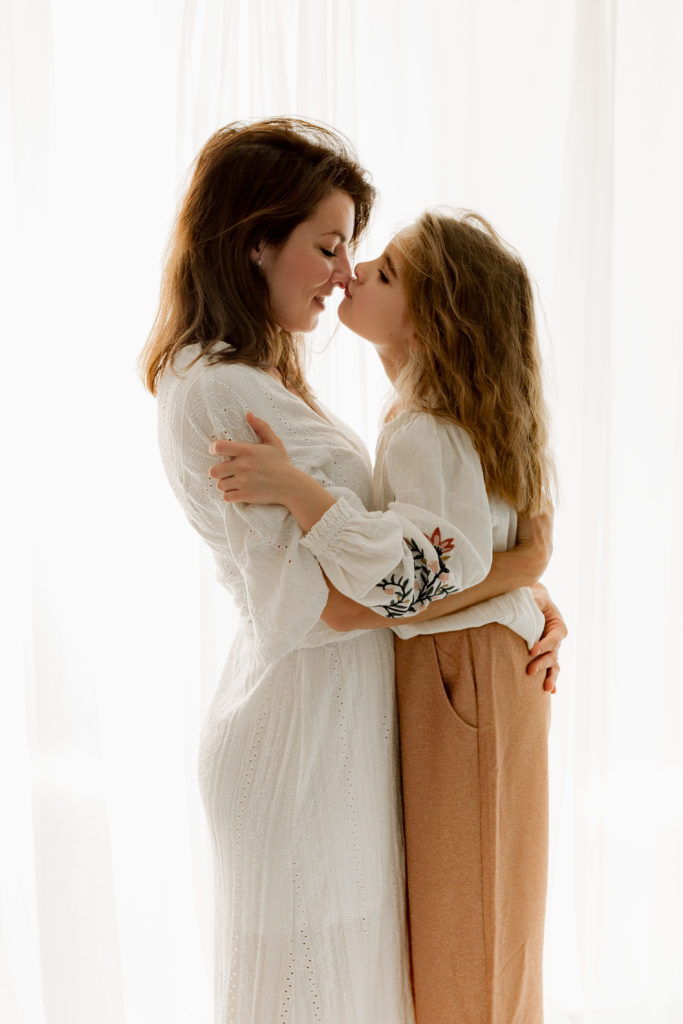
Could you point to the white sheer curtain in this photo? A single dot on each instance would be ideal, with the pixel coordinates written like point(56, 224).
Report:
point(560, 122)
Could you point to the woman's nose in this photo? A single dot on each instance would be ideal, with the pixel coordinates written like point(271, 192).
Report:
point(341, 274)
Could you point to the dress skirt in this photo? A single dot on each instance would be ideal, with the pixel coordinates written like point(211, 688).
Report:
point(474, 730)
point(300, 778)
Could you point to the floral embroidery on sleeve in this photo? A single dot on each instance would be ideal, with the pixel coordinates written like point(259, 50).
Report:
point(428, 584)
point(444, 547)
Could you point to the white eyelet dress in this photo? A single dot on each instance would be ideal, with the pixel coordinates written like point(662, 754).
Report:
point(298, 759)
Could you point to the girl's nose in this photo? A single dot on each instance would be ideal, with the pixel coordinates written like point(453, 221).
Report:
point(360, 271)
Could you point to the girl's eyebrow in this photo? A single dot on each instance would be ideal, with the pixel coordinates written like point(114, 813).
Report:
point(390, 265)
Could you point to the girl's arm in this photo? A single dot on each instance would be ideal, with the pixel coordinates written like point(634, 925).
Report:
point(519, 567)
point(396, 561)
point(269, 477)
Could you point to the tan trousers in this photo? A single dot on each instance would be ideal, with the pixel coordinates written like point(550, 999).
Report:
point(474, 730)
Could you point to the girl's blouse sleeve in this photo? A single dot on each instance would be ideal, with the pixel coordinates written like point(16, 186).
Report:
point(276, 581)
point(435, 538)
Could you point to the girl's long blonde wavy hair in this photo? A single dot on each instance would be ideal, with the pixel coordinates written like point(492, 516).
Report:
point(476, 359)
point(252, 184)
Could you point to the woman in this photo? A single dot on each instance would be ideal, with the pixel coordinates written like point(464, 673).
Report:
point(298, 763)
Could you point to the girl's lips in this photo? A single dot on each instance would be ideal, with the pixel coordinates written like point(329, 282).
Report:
point(347, 293)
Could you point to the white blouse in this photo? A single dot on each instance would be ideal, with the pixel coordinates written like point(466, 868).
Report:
point(435, 538)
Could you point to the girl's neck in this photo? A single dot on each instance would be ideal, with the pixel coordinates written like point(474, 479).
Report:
point(391, 367)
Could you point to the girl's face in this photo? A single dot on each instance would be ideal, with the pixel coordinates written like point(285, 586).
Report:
point(375, 307)
point(303, 271)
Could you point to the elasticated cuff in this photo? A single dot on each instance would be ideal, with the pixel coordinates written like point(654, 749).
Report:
point(324, 533)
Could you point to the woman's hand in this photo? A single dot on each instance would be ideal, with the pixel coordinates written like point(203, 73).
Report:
point(544, 652)
point(257, 473)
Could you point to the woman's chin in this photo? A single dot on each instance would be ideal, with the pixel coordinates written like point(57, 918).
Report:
point(303, 325)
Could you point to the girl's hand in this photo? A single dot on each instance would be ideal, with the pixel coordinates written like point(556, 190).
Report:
point(253, 472)
point(263, 475)
point(544, 652)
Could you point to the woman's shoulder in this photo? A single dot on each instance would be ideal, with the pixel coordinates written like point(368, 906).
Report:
point(198, 395)
point(196, 372)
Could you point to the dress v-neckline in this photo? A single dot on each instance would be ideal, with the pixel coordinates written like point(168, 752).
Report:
point(299, 398)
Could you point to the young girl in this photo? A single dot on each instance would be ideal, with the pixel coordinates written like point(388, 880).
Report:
point(449, 308)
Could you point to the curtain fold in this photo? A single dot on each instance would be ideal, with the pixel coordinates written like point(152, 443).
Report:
point(560, 123)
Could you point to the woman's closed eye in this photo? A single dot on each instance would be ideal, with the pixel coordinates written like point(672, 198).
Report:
point(326, 252)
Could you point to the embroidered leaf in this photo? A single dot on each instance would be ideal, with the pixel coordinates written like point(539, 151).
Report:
point(428, 584)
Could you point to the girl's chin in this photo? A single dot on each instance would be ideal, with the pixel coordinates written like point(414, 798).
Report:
point(342, 310)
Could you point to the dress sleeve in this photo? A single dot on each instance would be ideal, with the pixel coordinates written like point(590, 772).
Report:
point(435, 537)
point(275, 580)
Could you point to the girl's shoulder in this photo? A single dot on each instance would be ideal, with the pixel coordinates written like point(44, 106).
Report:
point(423, 454)
point(424, 430)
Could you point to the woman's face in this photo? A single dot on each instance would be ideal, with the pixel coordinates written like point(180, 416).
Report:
point(375, 307)
point(303, 271)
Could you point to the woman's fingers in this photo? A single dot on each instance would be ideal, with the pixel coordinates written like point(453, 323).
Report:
point(550, 641)
point(542, 663)
point(550, 681)
point(544, 656)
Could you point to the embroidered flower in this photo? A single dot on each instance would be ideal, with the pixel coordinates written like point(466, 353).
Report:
point(442, 546)
point(429, 584)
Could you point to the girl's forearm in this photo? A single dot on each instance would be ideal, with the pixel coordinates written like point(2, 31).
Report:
point(306, 499)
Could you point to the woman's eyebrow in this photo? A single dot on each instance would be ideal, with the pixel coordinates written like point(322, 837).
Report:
point(340, 235)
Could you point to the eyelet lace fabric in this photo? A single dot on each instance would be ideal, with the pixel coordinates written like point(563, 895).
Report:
point(298, 757)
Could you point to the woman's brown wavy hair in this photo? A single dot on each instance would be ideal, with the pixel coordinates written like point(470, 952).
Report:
point(252, 184)
point(476, 361)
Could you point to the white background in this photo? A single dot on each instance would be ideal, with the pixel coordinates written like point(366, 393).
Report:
point(561, 122)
